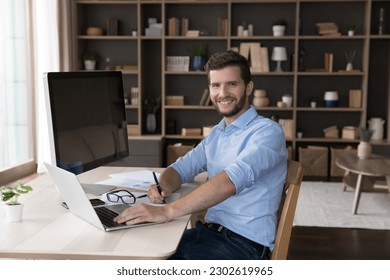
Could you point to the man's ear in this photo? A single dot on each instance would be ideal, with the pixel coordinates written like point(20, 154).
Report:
point(249, 88)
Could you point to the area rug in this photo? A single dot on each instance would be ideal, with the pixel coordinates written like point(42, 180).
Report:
point(323, 204)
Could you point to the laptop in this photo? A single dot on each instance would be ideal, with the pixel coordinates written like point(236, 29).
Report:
point(78, 202)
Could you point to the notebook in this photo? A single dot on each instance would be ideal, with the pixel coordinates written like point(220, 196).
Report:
point(78, 202)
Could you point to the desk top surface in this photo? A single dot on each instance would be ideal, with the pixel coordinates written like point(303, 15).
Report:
point(374, 166)
point(48, 230)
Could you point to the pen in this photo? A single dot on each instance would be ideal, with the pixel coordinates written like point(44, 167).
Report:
point(158, 184)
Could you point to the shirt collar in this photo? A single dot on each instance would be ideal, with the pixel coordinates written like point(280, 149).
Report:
point(242, 120)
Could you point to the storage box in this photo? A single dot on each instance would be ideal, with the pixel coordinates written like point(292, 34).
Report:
point(314, 160)
point(288, 127)
point(191, 131)
point(177, 100)
point(177, 150)
point(350, 132)
point(331, 132)
point(334, 154)
point(355, 98)
point(132, 129)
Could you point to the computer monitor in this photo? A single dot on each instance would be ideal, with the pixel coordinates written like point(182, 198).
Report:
point(86, 119)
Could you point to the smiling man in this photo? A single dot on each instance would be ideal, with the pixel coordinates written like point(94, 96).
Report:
point(246, 160)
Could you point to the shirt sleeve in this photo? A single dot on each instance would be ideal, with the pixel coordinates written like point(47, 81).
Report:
point(262, 158)
point(191, 164)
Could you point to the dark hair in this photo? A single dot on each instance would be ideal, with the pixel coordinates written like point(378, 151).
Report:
point(229, 58)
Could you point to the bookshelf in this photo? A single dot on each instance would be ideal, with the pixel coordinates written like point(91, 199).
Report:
point(316, 60)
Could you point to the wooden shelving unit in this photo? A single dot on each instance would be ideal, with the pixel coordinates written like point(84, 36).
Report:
point(149, 53)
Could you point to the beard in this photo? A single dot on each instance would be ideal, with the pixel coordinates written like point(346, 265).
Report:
point(240, 104)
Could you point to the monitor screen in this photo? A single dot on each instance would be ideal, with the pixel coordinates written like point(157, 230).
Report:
point(86, 119)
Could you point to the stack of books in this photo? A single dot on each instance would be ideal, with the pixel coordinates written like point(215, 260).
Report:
point(331, 132)
point(177, 26)
point(178, 63)
point(257, 56)
point(328, 29)
point(222, 26)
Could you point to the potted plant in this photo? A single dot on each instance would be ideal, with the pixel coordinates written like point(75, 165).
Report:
point(89, 60)
point(198, 58)
point(351, 30)
point(10, 196)
point(364, 147)
point(279, 27)
point(151, 106)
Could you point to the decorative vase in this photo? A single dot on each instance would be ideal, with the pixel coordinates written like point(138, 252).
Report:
point(364, 150)
point(151, 123)
point(376, 124)
point(198, 62)
point(14, 212)
point(260, 98)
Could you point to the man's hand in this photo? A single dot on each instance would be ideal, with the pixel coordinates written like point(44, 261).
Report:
point(155, 196)
point(142, 213)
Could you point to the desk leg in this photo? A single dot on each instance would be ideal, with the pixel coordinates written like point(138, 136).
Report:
point(388, 182)
point(357, 193)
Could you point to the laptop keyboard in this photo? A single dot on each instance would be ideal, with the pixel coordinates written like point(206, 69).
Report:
point(106, 216)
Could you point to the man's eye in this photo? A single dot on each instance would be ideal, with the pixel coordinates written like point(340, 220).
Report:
point(232, 84)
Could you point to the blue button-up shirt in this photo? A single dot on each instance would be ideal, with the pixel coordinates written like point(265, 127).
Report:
point(252, 151)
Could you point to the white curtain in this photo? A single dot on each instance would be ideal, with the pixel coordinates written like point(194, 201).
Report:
point(51, 52)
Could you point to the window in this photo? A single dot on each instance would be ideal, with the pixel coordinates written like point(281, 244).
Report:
point(16, 96)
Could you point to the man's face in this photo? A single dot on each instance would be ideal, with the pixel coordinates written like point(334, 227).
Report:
point(228, 92)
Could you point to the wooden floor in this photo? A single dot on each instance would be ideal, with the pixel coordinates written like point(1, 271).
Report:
point(316, 243)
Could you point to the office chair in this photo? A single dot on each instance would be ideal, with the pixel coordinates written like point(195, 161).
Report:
point(287, 210)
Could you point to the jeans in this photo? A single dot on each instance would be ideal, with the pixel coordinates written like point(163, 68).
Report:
point(201, 243)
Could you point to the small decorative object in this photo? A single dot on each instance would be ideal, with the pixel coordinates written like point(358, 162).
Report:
point(364, 148)
point(260, 98)
point(287, 99)
point(301, 60)
point(299, 133)
point(350, 56)
point(14, 208)
point(279, 27)
point(279, 54)
point(152, 105)
point(198, 58)
point(376, 125)
point(89, 60)
point(351, 30)
point(94, 31)
point(331, 99)
point(313, 103)
point(381, 27)
point(281, 104)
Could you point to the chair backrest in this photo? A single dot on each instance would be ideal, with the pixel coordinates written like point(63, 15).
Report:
point(287, 210)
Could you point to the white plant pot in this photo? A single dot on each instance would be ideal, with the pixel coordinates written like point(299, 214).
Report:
point(89, 64)
point(278, 30)
point(14, 212)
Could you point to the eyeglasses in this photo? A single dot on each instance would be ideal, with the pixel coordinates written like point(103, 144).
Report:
point(125, 196)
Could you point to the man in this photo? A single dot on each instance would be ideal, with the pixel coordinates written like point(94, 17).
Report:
point(246, 160)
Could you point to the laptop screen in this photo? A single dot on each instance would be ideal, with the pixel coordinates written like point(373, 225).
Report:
point(86, 119)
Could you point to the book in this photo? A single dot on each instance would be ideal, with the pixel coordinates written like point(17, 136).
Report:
point(328, 61)
point(204, 96)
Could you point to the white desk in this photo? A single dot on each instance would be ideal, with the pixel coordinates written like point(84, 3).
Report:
point(49, 231)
